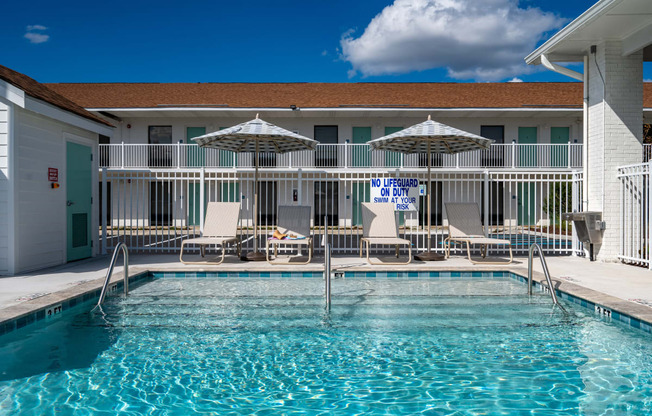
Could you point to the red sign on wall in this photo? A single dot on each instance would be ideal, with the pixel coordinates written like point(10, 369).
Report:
point(53, 174)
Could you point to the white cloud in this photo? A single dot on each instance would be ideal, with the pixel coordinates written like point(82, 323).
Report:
point(36, 37)
point(483, 40)
point(34, 34)
point(515, 79)
point(324, 52)
point(647, 80)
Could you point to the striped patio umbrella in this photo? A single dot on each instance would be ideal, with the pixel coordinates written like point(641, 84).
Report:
point(256, 136)
point(430, 137)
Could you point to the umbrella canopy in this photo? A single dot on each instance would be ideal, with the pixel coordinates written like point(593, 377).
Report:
point(256, 136)
point(430, 136)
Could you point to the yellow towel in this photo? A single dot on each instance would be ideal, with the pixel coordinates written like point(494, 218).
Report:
point(278, 235)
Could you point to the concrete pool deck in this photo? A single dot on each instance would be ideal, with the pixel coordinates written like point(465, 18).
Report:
point(626, 289)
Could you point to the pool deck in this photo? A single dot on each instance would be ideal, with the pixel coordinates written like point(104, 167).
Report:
point(626, 289)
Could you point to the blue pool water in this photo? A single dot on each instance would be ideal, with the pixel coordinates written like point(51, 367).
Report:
point(265, 346)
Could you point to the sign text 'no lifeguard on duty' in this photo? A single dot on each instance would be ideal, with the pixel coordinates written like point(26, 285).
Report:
point(402, 192)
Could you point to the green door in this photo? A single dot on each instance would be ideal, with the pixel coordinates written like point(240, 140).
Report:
point(79, 199)
point(193, 203)
point(527, 155)
point(361, 156)
point(360, 193)
point(526, 204)
point(559, 137)
point(392, 159)
point(196, 155)
point(231, 192)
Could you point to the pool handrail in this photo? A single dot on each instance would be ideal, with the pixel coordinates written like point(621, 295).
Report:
point(109, 272)
point(546, 272)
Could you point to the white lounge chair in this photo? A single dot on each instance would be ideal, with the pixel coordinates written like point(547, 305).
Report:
point(220, 228)
point(293, 221)
point(465, 226)
point(379, 227)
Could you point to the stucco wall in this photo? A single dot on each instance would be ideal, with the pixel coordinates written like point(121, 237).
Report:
point(304, 125)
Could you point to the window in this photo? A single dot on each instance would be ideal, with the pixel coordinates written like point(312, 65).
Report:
point(326, 203)
point(104, 152)
point(495, 157)
point(326, 156)
point(160, 156)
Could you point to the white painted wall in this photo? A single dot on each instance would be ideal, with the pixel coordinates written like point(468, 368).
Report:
point(5, 190)
point(615, 133)
point(304, 125)
point(41, 233)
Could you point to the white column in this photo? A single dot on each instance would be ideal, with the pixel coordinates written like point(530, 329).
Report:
point(615, 130)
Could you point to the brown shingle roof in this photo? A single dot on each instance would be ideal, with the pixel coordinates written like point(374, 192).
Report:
point(329, 95)
point(40, 91)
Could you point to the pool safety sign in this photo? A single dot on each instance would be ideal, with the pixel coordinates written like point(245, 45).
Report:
point(402, 192)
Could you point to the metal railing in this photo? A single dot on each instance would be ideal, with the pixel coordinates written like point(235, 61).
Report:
point(342, 155)
point(109, 272)
point(635, 214)
point(546, 272)
point(155, 210)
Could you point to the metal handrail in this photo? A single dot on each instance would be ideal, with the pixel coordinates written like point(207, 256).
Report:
point(109, 272)
point(546, 272)
point(327, 265)
point(327, 275)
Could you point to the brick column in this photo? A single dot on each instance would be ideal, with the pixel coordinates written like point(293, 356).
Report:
point(615, 119)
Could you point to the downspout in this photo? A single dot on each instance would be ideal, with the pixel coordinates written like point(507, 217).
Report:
point(585, 116)
point(585, 137)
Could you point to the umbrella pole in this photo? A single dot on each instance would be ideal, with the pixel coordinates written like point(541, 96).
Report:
point(255, 255)
point(429, 255)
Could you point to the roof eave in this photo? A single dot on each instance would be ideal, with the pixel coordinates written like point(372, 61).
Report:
point(588, 16)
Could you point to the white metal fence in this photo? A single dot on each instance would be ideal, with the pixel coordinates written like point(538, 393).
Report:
point(154, 210)
point(635, 214)
point(345, 155)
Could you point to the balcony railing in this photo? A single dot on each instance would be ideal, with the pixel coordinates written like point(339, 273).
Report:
point(530, 156)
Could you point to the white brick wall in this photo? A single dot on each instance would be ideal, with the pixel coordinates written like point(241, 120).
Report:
point(4, 189)
point(615, 133)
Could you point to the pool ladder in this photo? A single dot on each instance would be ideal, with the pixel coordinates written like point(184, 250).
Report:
point(546, 272)
point(120, 247)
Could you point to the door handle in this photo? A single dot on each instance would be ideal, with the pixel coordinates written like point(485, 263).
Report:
point(69, 203)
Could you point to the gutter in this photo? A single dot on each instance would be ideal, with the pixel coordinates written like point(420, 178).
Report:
point(585, 116)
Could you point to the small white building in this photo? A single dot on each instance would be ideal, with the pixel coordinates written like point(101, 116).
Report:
point(48, 176)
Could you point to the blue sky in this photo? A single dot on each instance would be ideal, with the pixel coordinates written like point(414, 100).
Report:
point(268, 41)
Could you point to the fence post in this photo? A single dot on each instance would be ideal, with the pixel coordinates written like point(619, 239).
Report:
point(569, 155)
point(104, 212)
point(300, 186)
point(202, 197)
point(487, 221)
point(513, 154)
point(290, 160)
point(179, 154)
point(648, 226)
point(457, 160)
point(122, 155)
point(574, 197)
point(346, 153)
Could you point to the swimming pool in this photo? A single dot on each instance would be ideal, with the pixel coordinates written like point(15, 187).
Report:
point(459, 345)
